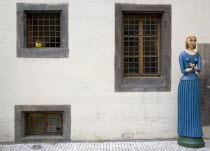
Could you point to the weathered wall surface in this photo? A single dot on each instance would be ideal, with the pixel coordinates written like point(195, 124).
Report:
point(85, 80)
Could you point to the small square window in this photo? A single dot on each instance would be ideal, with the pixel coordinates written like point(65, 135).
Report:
point(42, 30)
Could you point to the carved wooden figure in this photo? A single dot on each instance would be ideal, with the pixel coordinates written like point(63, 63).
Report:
point(189, 101)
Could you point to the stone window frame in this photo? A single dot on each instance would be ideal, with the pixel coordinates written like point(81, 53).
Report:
point(59, 52)
point(20, 111)
point(141, 84)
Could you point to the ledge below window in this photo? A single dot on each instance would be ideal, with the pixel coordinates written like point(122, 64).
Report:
point(42, 138)
point(43, 53)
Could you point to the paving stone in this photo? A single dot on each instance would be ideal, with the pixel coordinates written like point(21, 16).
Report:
point(147, 145)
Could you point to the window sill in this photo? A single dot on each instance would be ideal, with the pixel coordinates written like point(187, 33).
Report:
point(142, 84)
point(38, 138)
point(43, 53)
point(143, 88)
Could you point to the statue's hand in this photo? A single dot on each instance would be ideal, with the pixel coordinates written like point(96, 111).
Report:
point(195, 68)
point(191, 65)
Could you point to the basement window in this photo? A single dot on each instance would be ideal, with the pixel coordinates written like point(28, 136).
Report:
point(43, 123)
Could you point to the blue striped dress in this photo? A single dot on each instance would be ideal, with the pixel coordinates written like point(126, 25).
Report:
point(189, 102)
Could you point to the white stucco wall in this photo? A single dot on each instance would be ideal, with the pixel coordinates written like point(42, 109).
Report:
point(85, 80)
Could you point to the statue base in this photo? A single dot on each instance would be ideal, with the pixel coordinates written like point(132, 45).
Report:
point(190, 142)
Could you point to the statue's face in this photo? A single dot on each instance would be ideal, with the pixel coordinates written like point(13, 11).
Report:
point(191, 42)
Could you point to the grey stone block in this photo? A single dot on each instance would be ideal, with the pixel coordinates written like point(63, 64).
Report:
point(207, 67)
point(200, 48)
point(206, 51)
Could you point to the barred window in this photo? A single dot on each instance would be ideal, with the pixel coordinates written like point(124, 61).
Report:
point(42, 29)
point(141, 45)
point(44, 123)
point(41, 122)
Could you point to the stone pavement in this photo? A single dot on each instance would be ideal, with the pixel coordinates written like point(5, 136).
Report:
point(140, 145)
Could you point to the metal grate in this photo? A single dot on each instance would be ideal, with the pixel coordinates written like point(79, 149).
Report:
point(44, 123)
point(142, 44)
point(42, 29)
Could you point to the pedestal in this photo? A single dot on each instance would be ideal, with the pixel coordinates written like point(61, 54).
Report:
point(191, 142)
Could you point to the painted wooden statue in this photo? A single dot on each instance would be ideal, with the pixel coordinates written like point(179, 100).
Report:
point(189, 101)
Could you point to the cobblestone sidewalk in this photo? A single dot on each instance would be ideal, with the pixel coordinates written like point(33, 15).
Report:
point(153, 145)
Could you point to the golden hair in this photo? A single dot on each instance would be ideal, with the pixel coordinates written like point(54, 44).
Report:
point(186, 44)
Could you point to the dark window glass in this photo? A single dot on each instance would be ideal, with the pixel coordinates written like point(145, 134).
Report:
point(141, 45)
point(42, 30)
point(37, 123)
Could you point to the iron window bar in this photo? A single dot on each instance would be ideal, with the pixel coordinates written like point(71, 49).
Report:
point(43, 29)
point(44, 123)
point(141, 44)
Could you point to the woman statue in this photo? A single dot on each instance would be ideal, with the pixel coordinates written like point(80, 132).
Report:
point(189, 102)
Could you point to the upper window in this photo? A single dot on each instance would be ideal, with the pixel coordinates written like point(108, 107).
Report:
point(42, 30)
point(143, 47)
